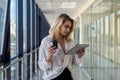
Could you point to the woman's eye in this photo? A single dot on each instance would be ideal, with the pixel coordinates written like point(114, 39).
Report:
point(67, 27)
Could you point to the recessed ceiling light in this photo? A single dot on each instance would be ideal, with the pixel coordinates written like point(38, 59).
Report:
point(68, 4)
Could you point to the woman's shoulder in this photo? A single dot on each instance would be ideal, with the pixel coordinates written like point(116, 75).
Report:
point(47, 38)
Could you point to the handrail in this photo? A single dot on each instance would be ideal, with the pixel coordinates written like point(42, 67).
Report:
point(18, 60)
point(20, 55)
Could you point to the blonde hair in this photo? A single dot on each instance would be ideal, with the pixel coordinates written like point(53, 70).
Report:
point(55, 29)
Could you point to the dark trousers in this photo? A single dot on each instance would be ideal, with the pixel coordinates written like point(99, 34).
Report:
point(65, 75)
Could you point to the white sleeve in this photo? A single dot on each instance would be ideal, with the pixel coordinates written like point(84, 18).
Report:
point(43, 51)
point(76, 60)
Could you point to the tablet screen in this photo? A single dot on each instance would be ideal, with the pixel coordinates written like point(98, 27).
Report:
point(76, 48)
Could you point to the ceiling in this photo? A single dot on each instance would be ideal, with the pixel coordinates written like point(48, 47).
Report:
point(52, 8)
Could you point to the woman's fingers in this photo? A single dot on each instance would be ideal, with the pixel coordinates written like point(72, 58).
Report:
point(52, 50)
point(81, 53)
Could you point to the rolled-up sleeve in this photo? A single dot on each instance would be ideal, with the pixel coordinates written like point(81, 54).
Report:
point(43, 51)
point(76, 60)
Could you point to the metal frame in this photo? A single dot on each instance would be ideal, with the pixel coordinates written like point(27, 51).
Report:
point(20, 60)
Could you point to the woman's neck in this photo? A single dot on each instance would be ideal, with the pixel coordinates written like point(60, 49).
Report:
point(61, 37)
point(62, 42)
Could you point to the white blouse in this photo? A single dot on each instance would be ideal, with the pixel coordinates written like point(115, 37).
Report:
point(59, 60)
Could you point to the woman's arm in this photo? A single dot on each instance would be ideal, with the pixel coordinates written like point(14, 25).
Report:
point(42, 62)
point(78, 56)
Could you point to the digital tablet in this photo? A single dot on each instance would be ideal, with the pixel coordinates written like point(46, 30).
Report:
point(76, 48)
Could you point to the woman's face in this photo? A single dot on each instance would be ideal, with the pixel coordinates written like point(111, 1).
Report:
point(66, 28)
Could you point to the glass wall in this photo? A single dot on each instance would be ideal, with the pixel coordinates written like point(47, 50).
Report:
point(25, 25)
point(3, 14)
point(13, 36)
point(101, 23)
point(25, 35)
point(13, 25)
point(76, 31)
point(3, 10)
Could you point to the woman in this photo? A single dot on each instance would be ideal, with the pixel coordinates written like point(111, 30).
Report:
point(52, 60)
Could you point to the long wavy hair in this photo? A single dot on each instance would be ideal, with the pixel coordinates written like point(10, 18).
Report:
point(55, 29)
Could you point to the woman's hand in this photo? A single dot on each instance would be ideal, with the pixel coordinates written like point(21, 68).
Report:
point(51, 51)
point(81, 53)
